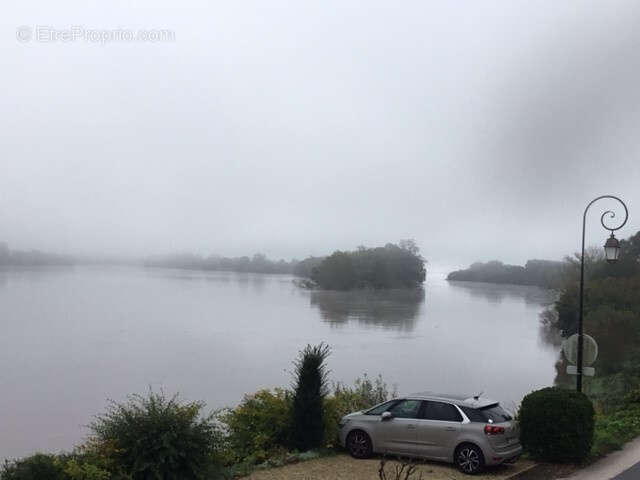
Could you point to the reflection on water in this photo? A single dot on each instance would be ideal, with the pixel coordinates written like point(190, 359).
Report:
point(532, 296)
point(497, 293)
point(32, 273)
point(549, 334)
point(395, 309)
point(92, 333)
point(246, 281)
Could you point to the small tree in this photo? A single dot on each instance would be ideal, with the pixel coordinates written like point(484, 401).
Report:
point(308, 401)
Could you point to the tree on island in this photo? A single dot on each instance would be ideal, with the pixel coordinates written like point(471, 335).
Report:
point(544, 273)
point(391, 266)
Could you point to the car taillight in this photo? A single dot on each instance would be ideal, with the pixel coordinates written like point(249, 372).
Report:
point(493, 430)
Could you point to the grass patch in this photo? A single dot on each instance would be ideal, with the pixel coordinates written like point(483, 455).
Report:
point(614, 429)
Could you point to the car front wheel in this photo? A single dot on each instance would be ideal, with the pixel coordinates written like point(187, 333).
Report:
point(359, 444)
point(469, 459)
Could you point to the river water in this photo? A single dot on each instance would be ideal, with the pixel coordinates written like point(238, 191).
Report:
point(74, 337)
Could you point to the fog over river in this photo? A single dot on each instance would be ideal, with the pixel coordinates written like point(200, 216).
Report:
point(74, 337)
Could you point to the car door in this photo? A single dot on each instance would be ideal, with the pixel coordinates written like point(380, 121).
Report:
point(437, 429)
point(397, 434)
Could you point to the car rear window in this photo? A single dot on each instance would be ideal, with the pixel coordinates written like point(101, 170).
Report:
point(489, 414)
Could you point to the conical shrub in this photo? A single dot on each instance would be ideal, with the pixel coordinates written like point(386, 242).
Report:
point(308, 401)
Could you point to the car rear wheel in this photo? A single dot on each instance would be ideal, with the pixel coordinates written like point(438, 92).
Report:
point(469, 459)
point(359, 444)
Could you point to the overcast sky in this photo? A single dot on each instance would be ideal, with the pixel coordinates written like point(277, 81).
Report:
point(481, 129)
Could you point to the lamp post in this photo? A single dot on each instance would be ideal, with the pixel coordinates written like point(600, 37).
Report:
point(611, 251)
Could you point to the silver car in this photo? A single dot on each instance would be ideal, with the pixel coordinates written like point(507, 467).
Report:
point(469, 431)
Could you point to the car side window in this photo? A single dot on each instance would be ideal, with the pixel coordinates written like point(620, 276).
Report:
point(381, 408)
point(406, 409)
point(445, 412)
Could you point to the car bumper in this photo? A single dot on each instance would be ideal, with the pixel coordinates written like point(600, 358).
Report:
point(502, 455)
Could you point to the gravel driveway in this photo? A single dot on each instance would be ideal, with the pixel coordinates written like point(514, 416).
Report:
point(343, 467)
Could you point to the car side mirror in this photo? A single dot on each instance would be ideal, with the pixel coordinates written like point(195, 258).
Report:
point(386, 416)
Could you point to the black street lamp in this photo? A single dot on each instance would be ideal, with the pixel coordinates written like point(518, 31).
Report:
point(612, 252)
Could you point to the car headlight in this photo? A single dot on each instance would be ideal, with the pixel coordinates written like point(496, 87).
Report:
point(343, 422)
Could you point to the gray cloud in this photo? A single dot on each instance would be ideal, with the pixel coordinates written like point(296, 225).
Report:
point(480, 129)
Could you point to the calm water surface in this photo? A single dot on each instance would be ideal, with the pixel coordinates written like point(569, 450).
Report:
point(71, 338)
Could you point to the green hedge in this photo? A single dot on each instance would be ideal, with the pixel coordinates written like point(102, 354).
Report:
point(557, 425)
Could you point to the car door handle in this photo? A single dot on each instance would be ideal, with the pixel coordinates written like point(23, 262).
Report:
point(451, 429)
point(411, 427)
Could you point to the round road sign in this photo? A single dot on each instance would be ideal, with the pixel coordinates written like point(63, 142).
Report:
point(589, 349)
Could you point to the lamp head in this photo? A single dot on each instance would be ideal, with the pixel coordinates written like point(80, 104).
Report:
point(612, 249)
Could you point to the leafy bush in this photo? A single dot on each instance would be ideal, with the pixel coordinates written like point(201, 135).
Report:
point(557, 425)
point(85, 471)
point(76, 466)
point(93, 457)
point(308, 401)
point(35, 467)
point(364, 394)
point(153, 437)
point(632, 398)
point(260, 426)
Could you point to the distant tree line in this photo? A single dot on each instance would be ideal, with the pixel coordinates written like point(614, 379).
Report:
point(259, 263)
point(391, 266)
point(10, 257)
point(544, 273)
